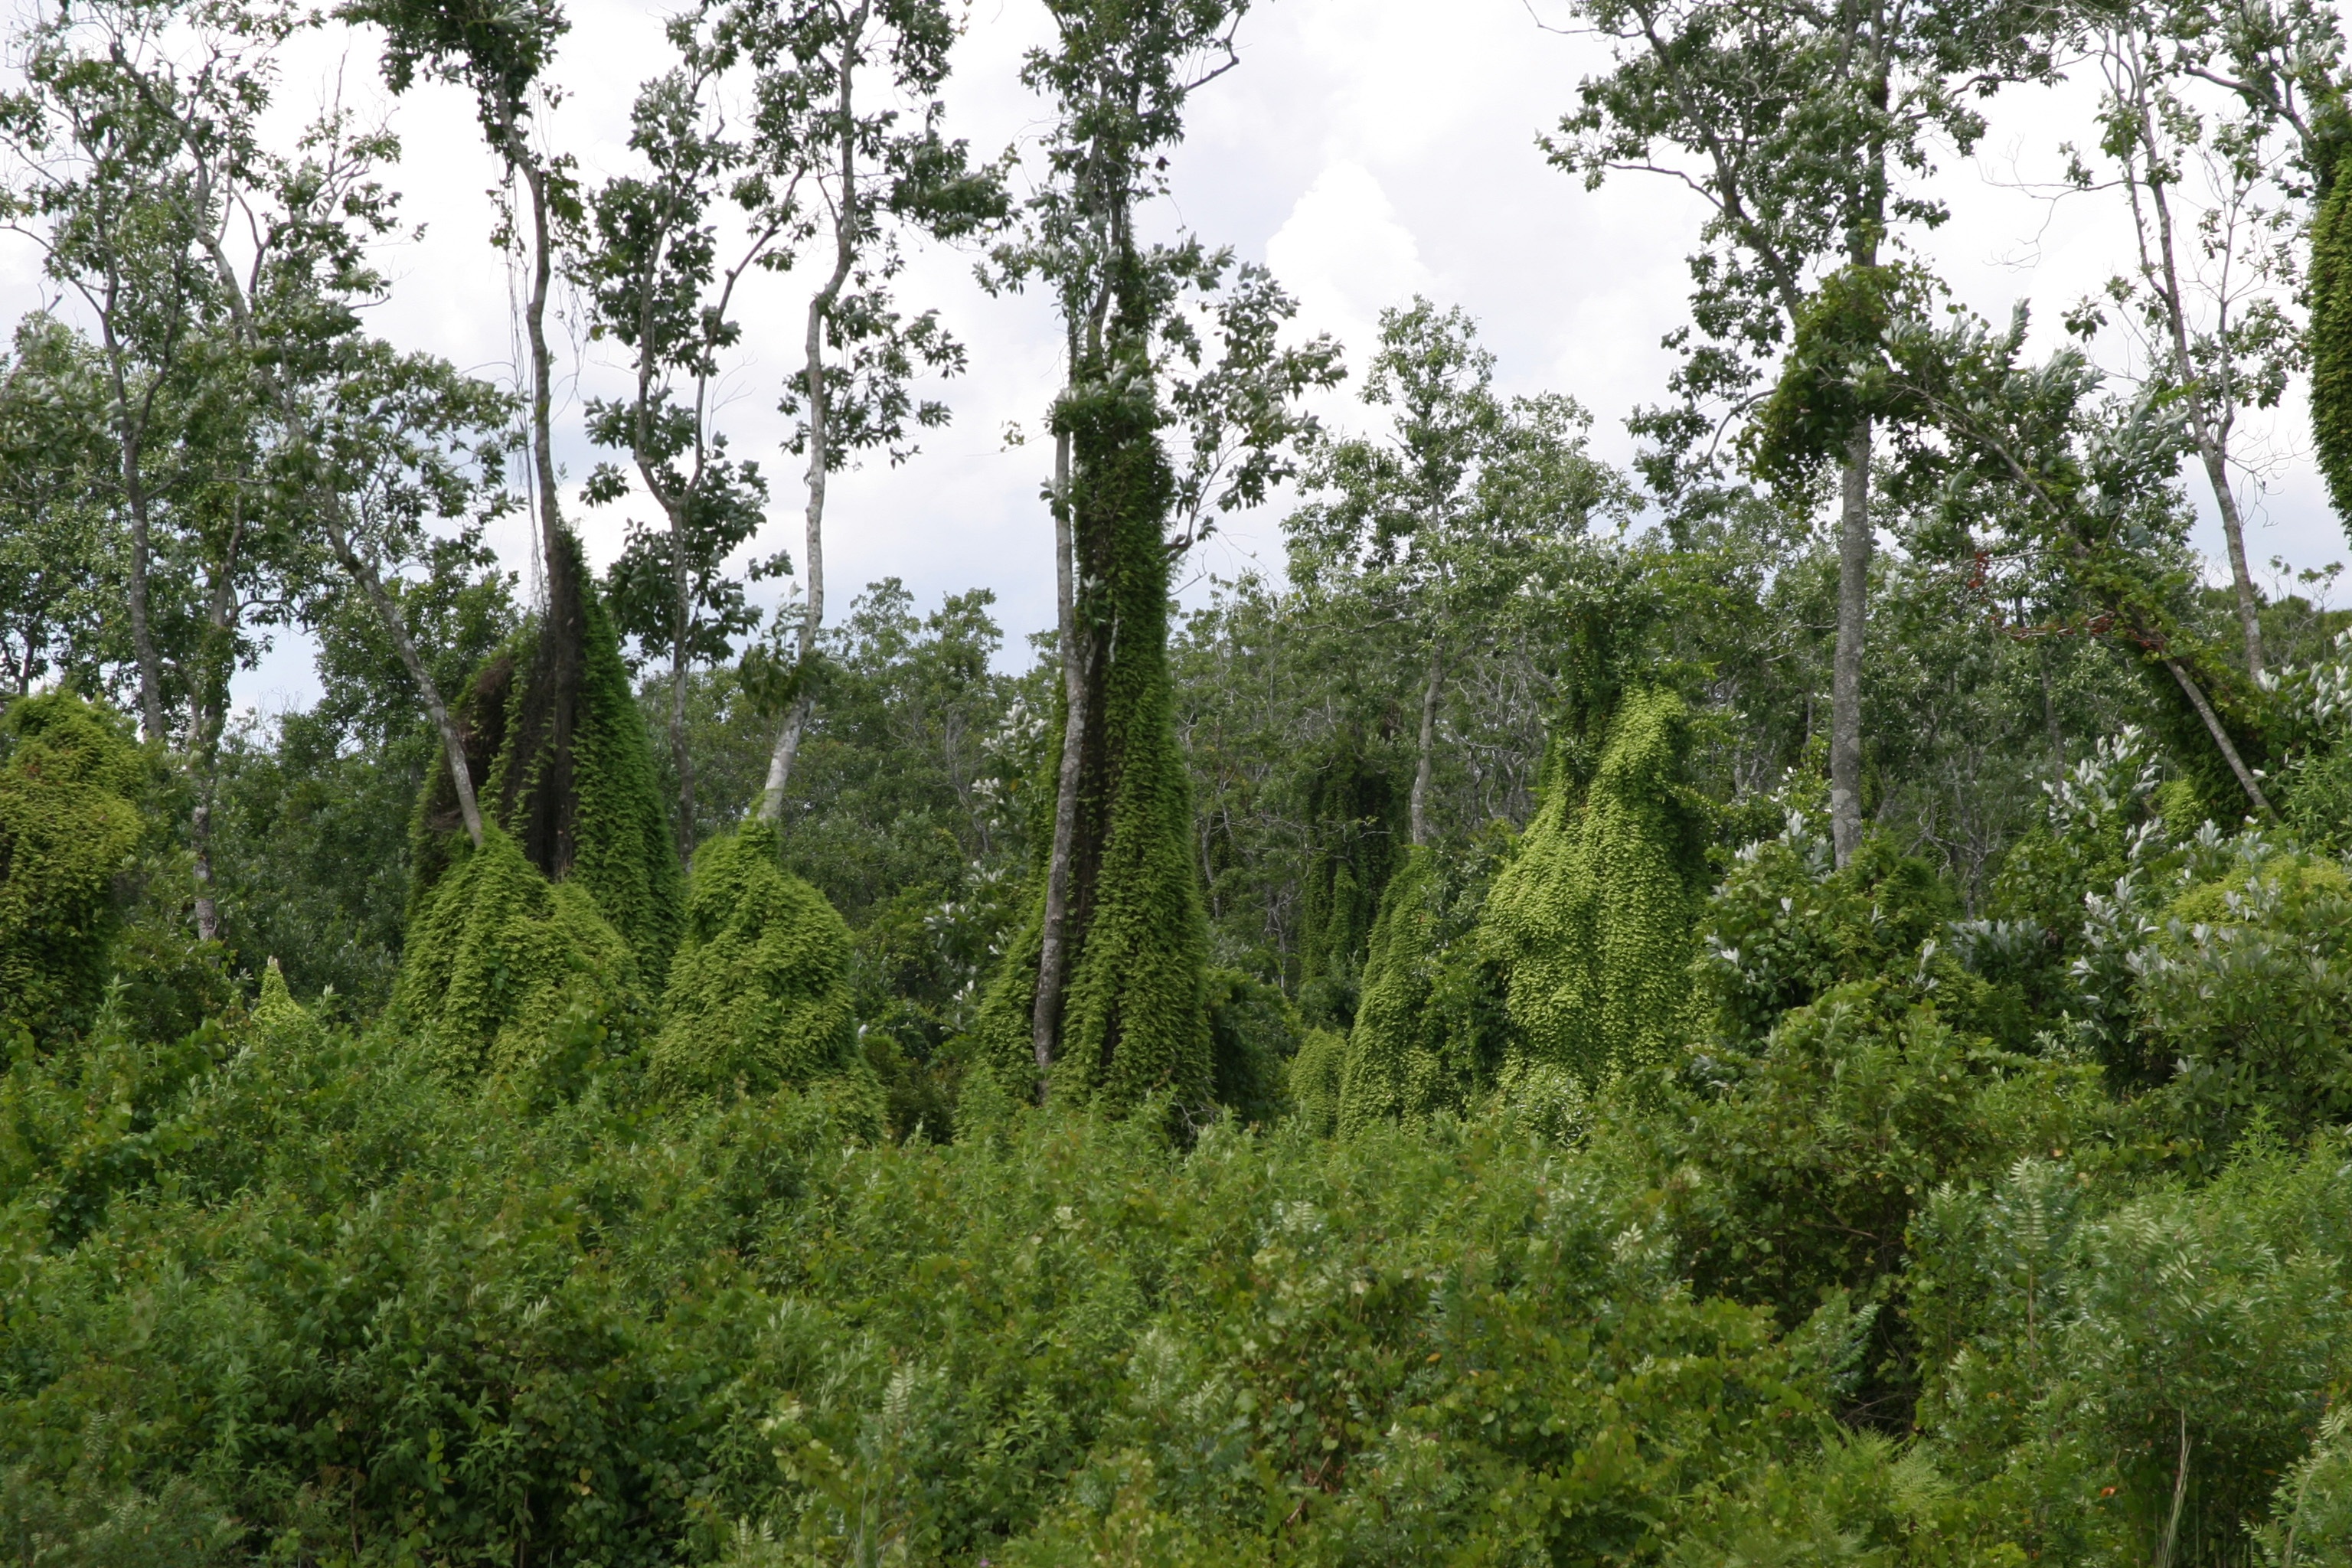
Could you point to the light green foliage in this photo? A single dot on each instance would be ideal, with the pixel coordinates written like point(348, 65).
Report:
point(1315, 1081)
point(68, 774)
point(275, 1010)
point(497, 957)
point(1594, 916)
point(2331, 340)
point(759, 994)
point(1429, 1030)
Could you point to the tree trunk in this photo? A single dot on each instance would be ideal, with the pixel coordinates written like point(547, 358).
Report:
point(134, 501)
point(1424, 765)
point(1046, 1012)
point(680, 755)
point(2246, 780)
point(2210, 417)
point(1854, 544)
point(453, 743)
point(847, 223)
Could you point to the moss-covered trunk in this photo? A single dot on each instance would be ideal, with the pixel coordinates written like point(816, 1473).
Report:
point(1131, 1020)
point(563, 762)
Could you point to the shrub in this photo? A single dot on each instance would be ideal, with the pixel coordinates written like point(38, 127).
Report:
point(759, 993)
point(67, 774)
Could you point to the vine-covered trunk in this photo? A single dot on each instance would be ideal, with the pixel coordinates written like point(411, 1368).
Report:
point(1128, 1019)
point(2331, 340)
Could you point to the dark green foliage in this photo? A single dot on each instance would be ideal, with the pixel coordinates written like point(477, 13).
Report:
point(758, 995)
point(2246, 993)
point(310, 846)
point(1784, 929)
point(1253, 1036)
point(1800, 1160)
point(2079, 1343)
point(1594, 915)
point(70, 774)
point(2330, 285)
point(1430, 1034)
point(498, 957)
point(1133, 1018)
point(1352, 807)
point(362, 1310)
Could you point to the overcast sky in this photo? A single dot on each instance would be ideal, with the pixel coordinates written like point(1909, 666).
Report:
point(1367, 149)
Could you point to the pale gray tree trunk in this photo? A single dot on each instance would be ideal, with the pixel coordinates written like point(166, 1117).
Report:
point(1854, 545)
point(1424, 763)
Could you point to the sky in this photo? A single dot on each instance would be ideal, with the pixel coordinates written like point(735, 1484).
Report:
point(1365, 150)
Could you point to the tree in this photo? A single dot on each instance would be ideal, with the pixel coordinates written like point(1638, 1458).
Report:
point(1806, 129)
point(1437, 527)
point(658, 286)
point(2210, 264)
point(823, 66)
point(556, 732)
point(56, 457)
point(1110, 991)
point(108, 187)
point(2075, 502)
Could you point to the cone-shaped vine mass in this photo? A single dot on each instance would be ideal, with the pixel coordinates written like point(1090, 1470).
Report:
point(66, 825)
point(759, 993)
point(562, 760)
point(1594, 916)
point(496, 954)
point(1429, 1027)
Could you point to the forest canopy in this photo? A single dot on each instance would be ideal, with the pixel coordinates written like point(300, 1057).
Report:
point(1788, 1000)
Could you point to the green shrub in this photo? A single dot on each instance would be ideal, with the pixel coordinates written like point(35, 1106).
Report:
point(68, 774)
point(759, 994)
point(1253, 1036)
point(2246, 990)
point(2093, 1362)
point(498, 956)
point(1793, 1169)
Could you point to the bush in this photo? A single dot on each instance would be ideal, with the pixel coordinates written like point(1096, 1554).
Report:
point(759, 993)
point(69, 773)
point(1793, 1170)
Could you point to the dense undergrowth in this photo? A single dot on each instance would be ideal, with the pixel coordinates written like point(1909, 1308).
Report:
point(1924, 1244)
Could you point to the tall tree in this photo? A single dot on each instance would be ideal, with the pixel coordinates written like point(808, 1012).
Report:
point(1110, 991)
point(106, 186)
point(2212, 259)
point(830, 136)
point(1807, 129)
point(659, 286)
